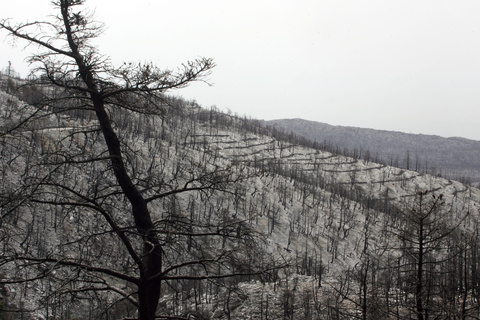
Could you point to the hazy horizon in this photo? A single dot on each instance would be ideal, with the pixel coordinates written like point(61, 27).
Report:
point(400, 66)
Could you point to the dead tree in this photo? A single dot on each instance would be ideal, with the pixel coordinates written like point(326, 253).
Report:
point(84, 210)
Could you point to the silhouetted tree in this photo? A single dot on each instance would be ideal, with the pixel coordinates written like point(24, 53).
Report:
point(116, 223)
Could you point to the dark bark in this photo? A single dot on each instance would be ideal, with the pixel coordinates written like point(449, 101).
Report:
point(148, 291)
point(74, 68)
point(419, 284)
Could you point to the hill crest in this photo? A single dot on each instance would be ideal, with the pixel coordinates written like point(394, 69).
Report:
point(455, 157)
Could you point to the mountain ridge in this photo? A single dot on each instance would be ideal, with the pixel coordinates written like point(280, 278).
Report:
point(373, 129)
point(453, 157)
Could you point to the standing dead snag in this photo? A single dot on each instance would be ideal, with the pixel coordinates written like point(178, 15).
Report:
point(104, 228)
point(423, 233)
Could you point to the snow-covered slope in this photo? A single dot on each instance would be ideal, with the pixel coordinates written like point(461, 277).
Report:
point(324, 215)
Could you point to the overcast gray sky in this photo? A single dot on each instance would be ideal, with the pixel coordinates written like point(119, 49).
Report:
point(410, 65)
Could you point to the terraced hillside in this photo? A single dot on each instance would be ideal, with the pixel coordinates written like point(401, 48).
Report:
point(310, 234)
point(455, 158)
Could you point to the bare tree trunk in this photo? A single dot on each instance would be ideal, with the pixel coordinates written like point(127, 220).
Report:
point(148, 297)
point(419, 280)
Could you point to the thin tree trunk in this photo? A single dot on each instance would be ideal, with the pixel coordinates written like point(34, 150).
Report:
point(419, 285)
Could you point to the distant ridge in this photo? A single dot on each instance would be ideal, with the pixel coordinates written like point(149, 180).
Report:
point(455, 158)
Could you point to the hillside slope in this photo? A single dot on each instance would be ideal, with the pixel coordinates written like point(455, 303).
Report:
point(338, 224)
point(455, 158)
